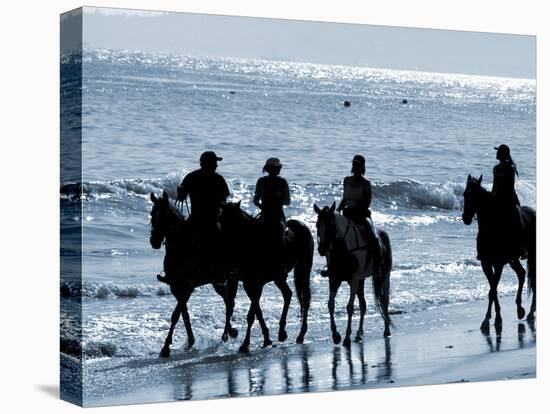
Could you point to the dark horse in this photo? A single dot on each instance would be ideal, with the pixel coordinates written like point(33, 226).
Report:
point(256, 265)
point(183, 273)
point(492, 241)
point(342, 242)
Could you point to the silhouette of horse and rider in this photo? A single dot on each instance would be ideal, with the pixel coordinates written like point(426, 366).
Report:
point(221, 244)
point(506, 232)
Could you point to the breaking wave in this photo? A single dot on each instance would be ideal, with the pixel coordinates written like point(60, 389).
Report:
point(396, 194)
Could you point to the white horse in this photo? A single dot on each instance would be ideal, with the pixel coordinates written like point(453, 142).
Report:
point(345, 247)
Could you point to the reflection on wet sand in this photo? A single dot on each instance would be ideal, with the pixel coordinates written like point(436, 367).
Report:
point(495, 343)
point(314, 368)
point(303, 371)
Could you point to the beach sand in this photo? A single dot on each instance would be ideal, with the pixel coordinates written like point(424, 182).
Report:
point(440, 345)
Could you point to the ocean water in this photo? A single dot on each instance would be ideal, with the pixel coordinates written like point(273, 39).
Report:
point(146, 118)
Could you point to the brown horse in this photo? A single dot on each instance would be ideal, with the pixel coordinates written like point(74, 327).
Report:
point(256, 265)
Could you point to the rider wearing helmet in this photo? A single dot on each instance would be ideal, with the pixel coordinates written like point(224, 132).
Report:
point(355, 206)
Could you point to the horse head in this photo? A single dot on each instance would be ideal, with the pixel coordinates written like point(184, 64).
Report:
point(232, 216)
point(471, 198)
point(326, 227)
point(163, 217)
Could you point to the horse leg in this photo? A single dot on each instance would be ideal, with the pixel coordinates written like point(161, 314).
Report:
point(363, 309)
point(531, 266)
point(287, 295)
point(228, 293)
point(303, 329)
point(533, 309)
point(531, 314)
point(165, 351)
point(488, 271)
point(386, 304)
point(261, 320)
point(351, 304)
point(498, 273)
point(520, 271)
point(231, 288)
point(187, 321)
point(254, 297)
point(334, 286)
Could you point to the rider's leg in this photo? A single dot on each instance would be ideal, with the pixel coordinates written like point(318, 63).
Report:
point(373, 246)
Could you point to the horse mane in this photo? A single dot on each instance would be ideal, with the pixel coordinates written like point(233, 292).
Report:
point(246, 215)
point(176, 212)
point(484, 191)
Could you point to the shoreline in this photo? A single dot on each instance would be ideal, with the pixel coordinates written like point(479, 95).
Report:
point(436, 346)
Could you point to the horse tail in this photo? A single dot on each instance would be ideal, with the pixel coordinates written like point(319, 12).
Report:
point(531, 248)
point(303, 254)
point(381, 285)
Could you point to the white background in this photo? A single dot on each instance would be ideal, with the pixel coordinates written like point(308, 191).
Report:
point(29, 223)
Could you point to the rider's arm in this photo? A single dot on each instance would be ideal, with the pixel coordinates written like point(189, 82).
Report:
point(496, 177)
point(368, 194)
point(224, 190)
point(286, 193)
point(183, 189)
point(342, 204)
point(257, 194)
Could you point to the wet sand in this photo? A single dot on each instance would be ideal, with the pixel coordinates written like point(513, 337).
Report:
point(442, 345)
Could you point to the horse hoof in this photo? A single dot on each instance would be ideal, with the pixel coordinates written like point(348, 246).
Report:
point(190, 343)
point(359, 339)
point(224, 337)
point(233, 332)
point(300, 339)
point(521, 313)
point(165, 352)
point(531, 317)
point(387, 333)
point(498, 322)
point(282, 336)
point(485, 326)
point(336, 338)
point(243, 349)
point(347, 342)
point(267, 343)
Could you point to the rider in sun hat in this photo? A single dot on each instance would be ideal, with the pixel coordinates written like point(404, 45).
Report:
point(270, 195)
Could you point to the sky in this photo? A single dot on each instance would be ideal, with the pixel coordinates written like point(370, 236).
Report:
point(430, 50)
